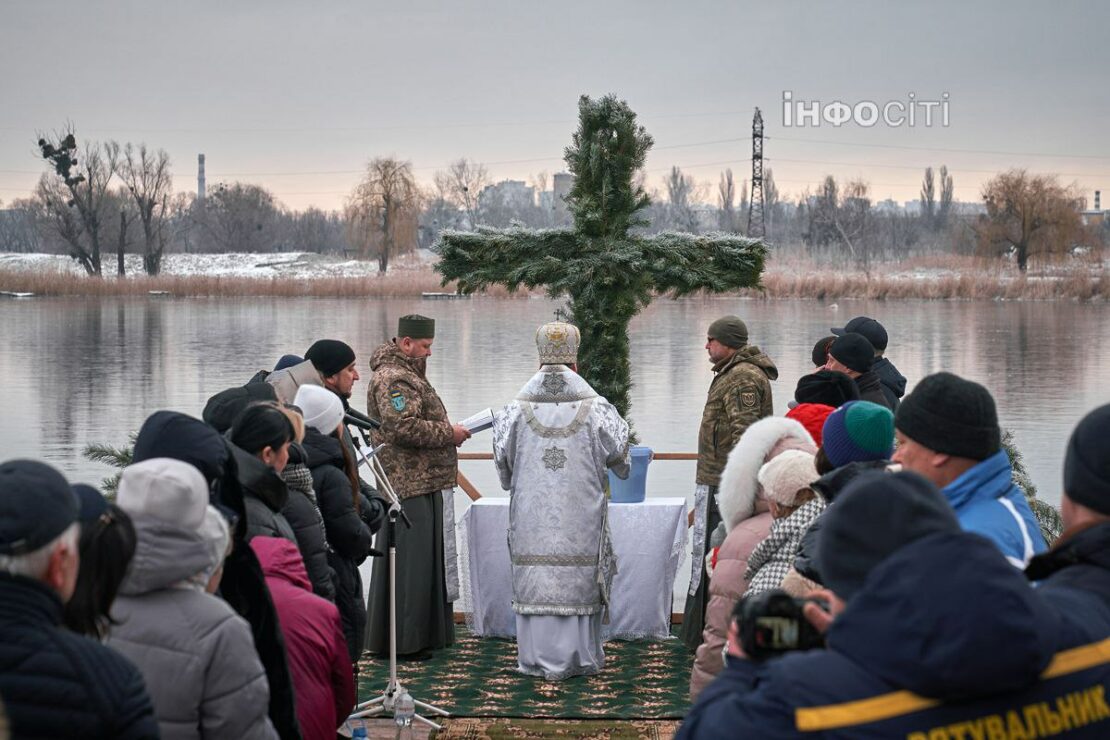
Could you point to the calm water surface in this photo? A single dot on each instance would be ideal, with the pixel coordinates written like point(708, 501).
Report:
point(85, 370)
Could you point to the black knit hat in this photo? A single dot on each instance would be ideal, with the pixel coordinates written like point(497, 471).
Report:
point(853, 351)
point(875, 515)
point(1087, 462)
point(820, 354)
point(415, 326)
point(329, 356)
point(827, 387)
point(951, 416)
point(871, 330)
point(36, 506)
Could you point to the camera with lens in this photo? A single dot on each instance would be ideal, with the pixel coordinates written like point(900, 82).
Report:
point(772, 623)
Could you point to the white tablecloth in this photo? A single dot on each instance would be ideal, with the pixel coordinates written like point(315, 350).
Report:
point(649, 540)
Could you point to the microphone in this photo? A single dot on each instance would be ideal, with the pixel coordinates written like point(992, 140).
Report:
point(362, 421)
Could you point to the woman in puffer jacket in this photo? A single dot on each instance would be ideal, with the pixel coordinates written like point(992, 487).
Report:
point(747, 521)
point(196, 654)
point(350, 518)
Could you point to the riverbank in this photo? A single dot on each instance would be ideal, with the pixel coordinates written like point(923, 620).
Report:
point(310, 275)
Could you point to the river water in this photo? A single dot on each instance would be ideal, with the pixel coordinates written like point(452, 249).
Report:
point(80, 370)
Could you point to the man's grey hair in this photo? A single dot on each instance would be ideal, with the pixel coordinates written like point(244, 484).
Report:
point(34, 564)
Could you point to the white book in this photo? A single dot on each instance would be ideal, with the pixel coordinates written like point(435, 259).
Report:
point(478, 422)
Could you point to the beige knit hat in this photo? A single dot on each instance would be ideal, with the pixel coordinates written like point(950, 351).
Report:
point(557, 343)
point(787, 474)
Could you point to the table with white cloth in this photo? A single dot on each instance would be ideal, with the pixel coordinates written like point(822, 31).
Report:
point(649, 540)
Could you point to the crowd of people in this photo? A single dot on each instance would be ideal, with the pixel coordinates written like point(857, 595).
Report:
point(867, 566)
point(218, 594)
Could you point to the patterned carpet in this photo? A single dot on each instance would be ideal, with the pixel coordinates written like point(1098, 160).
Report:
point(535, 729)
point(477, 677)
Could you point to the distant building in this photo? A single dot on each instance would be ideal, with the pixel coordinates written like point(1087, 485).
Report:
point(510, 194)
point(889, 206)
point(912, 207)
point(1094, 216)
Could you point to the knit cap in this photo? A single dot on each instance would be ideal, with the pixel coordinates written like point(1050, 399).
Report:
point(165, 489)
point(829, 387)
point(730, 331)
point(322, 409)
point(786, 474)
point(329, 356)
point(858, 431)
point(1087, 461)
point(812, 416)
point(952, 416)
point(853, 351)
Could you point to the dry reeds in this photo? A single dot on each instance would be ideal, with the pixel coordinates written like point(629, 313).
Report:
point(936, 278)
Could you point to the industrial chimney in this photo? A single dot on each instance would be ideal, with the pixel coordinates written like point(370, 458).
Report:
point(1097, 194)
point(200, 179)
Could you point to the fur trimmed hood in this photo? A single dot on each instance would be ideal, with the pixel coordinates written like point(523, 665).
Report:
point(763, 440)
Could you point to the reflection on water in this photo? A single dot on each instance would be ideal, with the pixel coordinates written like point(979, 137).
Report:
point(87, 370)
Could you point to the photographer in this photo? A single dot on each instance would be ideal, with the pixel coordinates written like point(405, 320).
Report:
point(930, 633)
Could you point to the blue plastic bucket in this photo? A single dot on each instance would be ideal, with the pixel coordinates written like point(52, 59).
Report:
point(632, 490)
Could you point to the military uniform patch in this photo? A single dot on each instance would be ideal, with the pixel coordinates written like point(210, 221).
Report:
point(397, 399)
point(747, 399)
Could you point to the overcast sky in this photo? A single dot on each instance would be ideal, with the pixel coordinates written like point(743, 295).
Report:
point(298, 96)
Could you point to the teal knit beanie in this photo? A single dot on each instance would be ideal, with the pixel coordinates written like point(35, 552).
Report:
point(858, 431)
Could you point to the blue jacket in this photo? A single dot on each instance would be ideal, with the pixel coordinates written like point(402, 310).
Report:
point(983, 497)
point(54, 683)
point(945, 639)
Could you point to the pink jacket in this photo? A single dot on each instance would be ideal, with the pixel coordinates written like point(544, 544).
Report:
point(323, 680)
point(725, 587)
point(744, 513)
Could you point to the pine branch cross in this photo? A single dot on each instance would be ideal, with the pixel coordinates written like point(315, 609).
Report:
point(606, 269)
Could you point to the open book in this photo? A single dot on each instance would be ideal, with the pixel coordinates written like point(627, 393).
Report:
point(479, 422)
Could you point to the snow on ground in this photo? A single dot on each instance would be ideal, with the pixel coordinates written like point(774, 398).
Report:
point(278, 265)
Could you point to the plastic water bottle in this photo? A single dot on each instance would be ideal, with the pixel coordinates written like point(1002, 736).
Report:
point(358, 731)
point(404, 709)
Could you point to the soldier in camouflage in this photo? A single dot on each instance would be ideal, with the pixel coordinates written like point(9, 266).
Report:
point(739, 395)
point(422, 465)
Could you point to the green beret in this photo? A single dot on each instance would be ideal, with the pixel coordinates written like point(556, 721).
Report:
point(730, 331)
point(415, 326)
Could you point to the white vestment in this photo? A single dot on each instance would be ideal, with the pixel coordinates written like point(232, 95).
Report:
point(553, 447)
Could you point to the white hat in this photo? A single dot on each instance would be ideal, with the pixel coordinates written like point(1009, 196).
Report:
point(557, 343)
point(786, 474)
point(322, 409)
point(166, 489)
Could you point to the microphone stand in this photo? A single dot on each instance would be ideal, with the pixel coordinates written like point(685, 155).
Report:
point(386, 702)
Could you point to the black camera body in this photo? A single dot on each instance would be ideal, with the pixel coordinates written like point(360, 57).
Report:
point(772, 623)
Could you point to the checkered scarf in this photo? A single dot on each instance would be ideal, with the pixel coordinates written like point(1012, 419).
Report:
point(773, 558)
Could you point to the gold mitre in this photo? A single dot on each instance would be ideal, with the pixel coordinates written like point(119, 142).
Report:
point(557, 343)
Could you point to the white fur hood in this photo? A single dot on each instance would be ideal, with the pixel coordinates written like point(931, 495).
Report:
point(739, 485)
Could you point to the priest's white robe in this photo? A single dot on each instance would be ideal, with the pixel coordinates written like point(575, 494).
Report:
point(553, 447)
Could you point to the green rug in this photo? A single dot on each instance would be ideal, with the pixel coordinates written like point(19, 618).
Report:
point(477, 677)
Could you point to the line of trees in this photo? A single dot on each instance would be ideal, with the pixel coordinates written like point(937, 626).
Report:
point(102, 199)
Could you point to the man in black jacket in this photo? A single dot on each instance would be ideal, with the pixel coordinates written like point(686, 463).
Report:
point(54, 683)
point(893, 382)
point(1075, 574)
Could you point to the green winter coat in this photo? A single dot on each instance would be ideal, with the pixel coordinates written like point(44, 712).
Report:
point(739, 395)
point(421, 456)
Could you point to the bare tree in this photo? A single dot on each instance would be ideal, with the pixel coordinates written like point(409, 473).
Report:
point(21, 226)
point(73, 193)
point(771, 202)
point(382, 211)
point(946, 192)
point(463, 182)
point(1029, 215)
point(239, 217)
point(928, 198)
point(681, 191)
point(726, 196)
point(146, 175)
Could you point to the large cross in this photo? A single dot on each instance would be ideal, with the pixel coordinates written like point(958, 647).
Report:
point(604, 266)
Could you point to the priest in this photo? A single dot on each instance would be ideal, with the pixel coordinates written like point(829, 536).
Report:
point(553, 446)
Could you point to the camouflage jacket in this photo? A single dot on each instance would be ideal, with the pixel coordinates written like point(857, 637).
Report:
point(739, 395)
point(421, 456)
